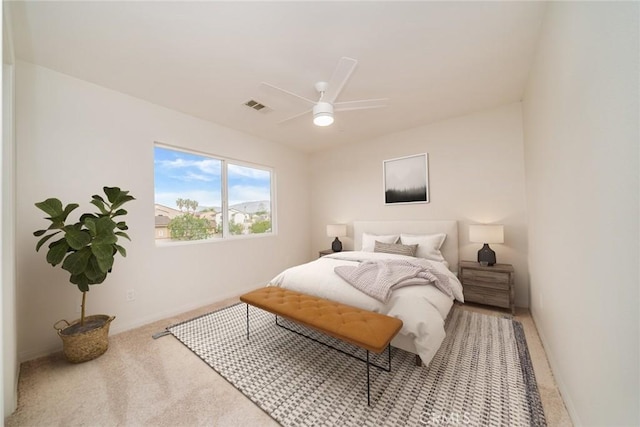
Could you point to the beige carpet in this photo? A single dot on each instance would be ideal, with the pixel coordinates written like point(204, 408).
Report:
point(140, 381)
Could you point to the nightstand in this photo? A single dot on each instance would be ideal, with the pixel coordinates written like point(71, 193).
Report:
point(324, 252)
point(488, 285)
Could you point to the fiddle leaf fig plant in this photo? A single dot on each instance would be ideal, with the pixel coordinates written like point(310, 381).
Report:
point(86, 248)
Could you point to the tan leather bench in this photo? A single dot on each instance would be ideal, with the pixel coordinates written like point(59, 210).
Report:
point(365, 329)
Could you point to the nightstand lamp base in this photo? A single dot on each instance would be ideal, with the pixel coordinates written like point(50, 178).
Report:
point(336, 230)
point(486, 255)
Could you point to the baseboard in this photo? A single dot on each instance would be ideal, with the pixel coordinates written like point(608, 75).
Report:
point(124, 327)
point(553, 365)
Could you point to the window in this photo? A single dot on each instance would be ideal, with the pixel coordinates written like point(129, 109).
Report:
point(200, 197)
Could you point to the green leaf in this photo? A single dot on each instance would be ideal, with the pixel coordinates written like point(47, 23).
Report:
point(93, 271)
point(122, 225)
point(104, 231)
point(112, 193)
point(58, 220)
point(53, 207)
point(76, 262)
point(98, 280)
point(85, 216)
point(105, 239)
point(98, 197)
point(123, 234)
point(100, 205)
point(39, 233)
point(104, 256)
point(57, 251)
point(44, 240)
point(122, 251)
point(90, 223)
point(77, 238)
point(105, 225)
point(67, 210)
point(119, 212)
point(81, 280)
point(121, 201)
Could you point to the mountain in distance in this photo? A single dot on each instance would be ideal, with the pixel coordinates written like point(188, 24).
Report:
point(252, 207)
point(246, 207)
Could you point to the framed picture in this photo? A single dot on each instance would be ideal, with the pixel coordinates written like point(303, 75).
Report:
point(406, 179)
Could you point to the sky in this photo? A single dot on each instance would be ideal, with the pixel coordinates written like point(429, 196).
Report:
point(185, 175)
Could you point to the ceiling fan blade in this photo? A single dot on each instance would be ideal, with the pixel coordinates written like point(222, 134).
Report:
point(279, 90)
point(295, 116)
point(360, 105)
point(339, 78)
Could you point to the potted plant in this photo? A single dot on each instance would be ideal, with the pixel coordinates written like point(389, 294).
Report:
point(87, 250)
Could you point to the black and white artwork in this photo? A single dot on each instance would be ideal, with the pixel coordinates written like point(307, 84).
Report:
point(406, 179)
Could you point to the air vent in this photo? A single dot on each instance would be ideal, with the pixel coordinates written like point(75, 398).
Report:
point(255, 105)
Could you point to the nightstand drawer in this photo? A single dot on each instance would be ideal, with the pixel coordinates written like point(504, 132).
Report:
point(499, 285)
point(491, 285)
point(486, 296)
point(497, 277)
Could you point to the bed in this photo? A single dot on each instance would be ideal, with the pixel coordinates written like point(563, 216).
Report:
point(422, 308)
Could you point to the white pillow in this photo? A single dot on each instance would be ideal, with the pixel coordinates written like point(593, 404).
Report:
point(428, 245)
point(369, 240)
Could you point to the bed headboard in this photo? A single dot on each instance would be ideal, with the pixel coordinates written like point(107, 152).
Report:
point(449, 248)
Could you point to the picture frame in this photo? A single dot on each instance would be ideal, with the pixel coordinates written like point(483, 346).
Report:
point(406, 179)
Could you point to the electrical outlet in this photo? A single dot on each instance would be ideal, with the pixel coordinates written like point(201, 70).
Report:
point(131, 295)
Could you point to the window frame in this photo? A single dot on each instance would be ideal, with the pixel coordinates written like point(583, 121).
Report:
point(224, 195)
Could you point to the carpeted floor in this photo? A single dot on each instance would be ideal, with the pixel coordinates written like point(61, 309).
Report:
point(144, 382)
point(481, 375)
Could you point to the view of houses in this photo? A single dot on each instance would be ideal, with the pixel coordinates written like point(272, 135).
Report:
point(206, 222)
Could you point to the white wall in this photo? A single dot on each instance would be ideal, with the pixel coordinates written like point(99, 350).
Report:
point(10, 367)
point(73, 138)
point(581, 150)
point(476, 171)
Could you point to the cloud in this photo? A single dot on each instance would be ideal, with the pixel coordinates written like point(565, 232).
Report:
point(206, 166)
point(235, 171)
point(248, 193)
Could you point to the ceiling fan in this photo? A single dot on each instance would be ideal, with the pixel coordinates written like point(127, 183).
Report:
point(326, 104)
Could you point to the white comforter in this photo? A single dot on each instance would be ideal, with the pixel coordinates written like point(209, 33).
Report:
point(422, 308)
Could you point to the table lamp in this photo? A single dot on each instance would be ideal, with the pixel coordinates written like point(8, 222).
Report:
point(485, 234)
point(336, 230)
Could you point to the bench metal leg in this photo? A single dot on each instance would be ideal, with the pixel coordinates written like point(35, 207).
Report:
point(368, 361)
point(368, 391)
point(247, 321)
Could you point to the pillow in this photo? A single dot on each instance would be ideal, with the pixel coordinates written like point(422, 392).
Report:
point(428, 245)
point(369, 240)
point(395, 248)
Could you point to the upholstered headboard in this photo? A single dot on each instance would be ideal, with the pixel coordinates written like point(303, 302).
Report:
point(449, 248)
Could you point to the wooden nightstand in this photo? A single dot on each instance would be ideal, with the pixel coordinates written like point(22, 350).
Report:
point(324, 252)
point(488, 285)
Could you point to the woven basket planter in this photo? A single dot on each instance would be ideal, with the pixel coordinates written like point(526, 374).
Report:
point(84, 343)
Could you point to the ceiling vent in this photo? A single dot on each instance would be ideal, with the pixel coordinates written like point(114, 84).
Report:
point(256, 105)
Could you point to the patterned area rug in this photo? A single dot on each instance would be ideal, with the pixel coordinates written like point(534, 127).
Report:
point(482, 374)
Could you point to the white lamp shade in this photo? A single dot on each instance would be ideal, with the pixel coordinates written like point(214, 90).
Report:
point(480, 233)
point(336, 230)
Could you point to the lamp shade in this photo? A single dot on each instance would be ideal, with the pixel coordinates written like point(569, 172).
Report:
point(336, 230)
point(481, 233)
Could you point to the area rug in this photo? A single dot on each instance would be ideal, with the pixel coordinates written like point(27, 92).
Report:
point(482, 374)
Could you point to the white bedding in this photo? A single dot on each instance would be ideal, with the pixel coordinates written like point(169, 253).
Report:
point(422, 308)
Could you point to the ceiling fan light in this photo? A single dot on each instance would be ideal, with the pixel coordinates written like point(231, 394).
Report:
point(323, 114)
point(323, 119)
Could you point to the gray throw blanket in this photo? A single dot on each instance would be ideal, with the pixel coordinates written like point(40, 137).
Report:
point(379, 278)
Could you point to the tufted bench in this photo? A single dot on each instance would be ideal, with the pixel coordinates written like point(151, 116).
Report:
point(365, 329)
